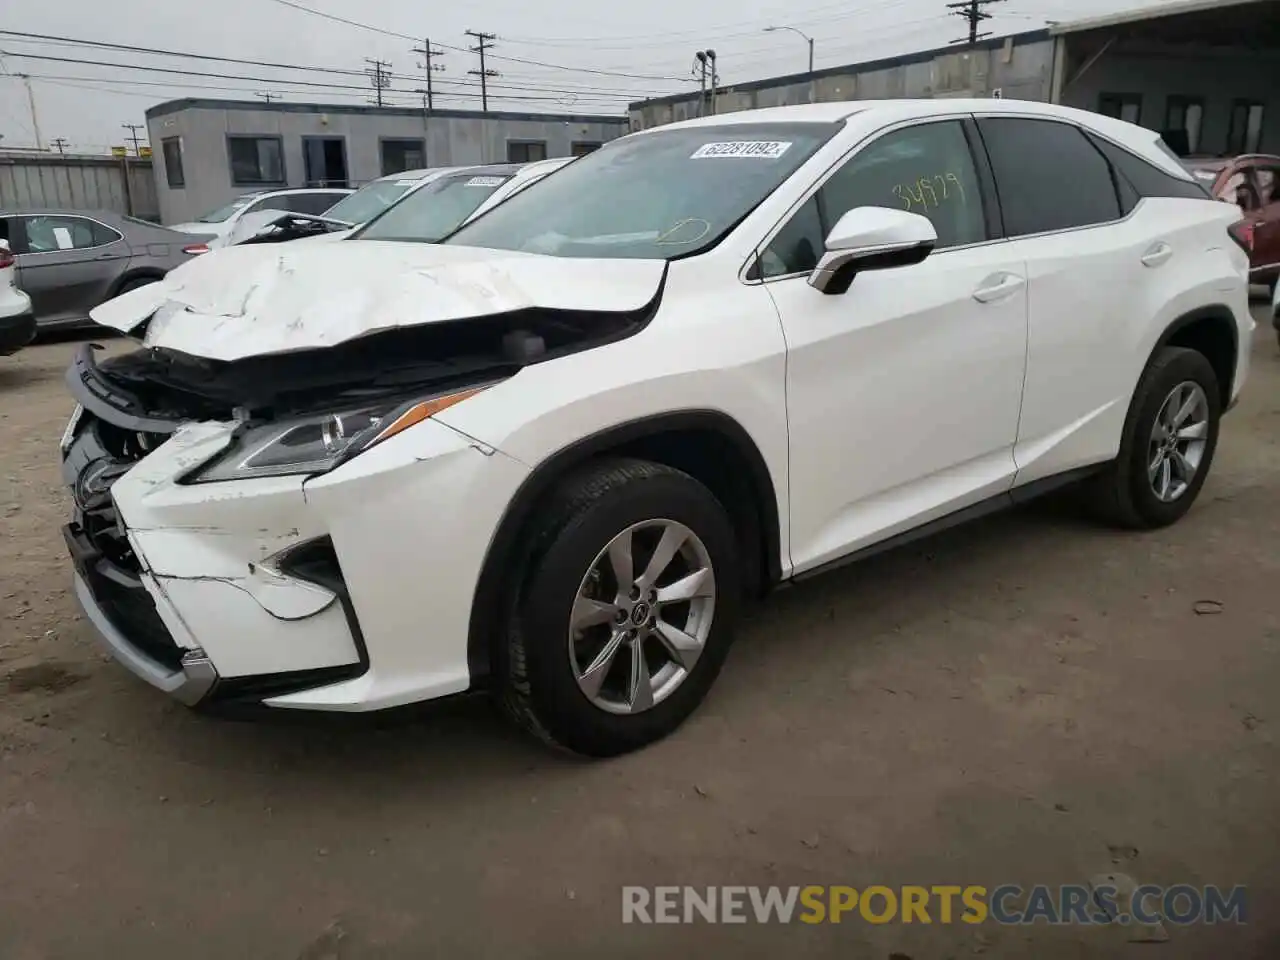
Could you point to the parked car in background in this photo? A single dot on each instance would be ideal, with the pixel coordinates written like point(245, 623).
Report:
point(450, 196)
point(220, 222)
point(69, 261)
point(707, 359)
point(526, 176)
point(375, 196)
point(17, 322)
point(434, 211)
point(1275, 310)
point(1252, 182)
point(274, 226)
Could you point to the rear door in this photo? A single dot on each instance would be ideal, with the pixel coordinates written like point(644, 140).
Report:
point(68, 265)
point(1089, 266)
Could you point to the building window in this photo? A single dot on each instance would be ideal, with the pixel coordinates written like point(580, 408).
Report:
point(401, 155)
point(580, 148)
point(1183, 121)
point(171, 147)
point(256, 161)
point(526, 151)
point(1245, 132)
point(1122, 106)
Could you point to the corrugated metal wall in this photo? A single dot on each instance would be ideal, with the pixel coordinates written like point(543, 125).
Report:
point(78, 183)
point(1020, 67)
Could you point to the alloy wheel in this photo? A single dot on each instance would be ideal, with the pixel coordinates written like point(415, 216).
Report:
point(1178, 440)
point(642, 616)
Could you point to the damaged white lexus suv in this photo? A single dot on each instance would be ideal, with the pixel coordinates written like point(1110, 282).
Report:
point(551, 455)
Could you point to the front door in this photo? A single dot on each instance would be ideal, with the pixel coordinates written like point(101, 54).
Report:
point(68, 265)
point(902, 393)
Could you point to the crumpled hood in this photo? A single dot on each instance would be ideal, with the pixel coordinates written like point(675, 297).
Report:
point(258, 299)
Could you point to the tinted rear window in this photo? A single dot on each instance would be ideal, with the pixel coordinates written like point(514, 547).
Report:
point(1048, 175)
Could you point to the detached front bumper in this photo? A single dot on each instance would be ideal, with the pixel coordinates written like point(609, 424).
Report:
point(194, 675)
point(350, 591)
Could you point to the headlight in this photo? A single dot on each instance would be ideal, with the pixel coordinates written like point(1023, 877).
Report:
point(318, 444)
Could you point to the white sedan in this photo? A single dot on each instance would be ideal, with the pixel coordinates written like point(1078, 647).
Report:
point(552, 455)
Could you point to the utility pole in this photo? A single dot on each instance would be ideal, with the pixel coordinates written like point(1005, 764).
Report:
point(133, 129)
point(701, 72)
point(483, 42)
point(35, 119)
point(708, 60)
point(59, 144)
point(429, 54)
point(268, 97)
point(974, 11)
point(377, 72)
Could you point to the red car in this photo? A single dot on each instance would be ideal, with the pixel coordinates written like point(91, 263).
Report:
point(1252, 182)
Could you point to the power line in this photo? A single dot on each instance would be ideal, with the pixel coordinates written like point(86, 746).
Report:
point(484, 41)
point(268, 97)
point(74, 41)
point(95, 83)
point(283, 66)
point(402, 36)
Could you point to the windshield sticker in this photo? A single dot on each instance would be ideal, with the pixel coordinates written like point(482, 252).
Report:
point(484, 182)
point(405, 183)
point(763, 149)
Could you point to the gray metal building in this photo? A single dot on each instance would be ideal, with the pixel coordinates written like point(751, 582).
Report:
point(1210, 68)
point(207, 152)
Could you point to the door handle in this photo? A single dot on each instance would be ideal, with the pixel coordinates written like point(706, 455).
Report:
point(1157, 255)
point(998, 287)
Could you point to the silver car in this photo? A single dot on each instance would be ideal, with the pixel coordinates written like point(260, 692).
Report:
point(69, 261)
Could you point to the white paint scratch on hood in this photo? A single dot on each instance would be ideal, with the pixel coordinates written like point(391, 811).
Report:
point(245, 301)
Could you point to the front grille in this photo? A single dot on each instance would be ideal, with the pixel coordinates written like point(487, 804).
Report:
point(132, 612)
point(98, 454)
point(127, 445)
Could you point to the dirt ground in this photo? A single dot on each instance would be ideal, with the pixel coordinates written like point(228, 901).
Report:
point(1030, 699)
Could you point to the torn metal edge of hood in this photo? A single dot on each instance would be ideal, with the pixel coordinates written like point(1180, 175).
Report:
point(262, 298)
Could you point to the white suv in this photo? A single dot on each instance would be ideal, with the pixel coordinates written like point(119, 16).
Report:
point(553, 453)
point(17, 322)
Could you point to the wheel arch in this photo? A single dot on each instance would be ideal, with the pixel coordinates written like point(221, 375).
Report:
point(134, 273)
point(1211, 331)
point(709, 445)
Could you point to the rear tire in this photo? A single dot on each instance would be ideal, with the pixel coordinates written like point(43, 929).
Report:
point(576, 606)
point(1136, 490)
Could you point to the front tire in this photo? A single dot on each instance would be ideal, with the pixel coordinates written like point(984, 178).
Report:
point(627, 612)
point(1170, 436)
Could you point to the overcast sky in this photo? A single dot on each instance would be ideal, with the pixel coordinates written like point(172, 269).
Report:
point(590, 57)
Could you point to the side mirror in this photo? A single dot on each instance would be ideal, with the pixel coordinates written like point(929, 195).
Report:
point(871, 238)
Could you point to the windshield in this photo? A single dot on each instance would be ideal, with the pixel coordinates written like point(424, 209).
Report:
point(370, 200)
point(435, 211)
point(656, 196)
point(222, 213)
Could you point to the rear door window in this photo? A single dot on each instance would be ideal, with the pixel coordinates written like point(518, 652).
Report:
point(51, 233)
point(1049, 176)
